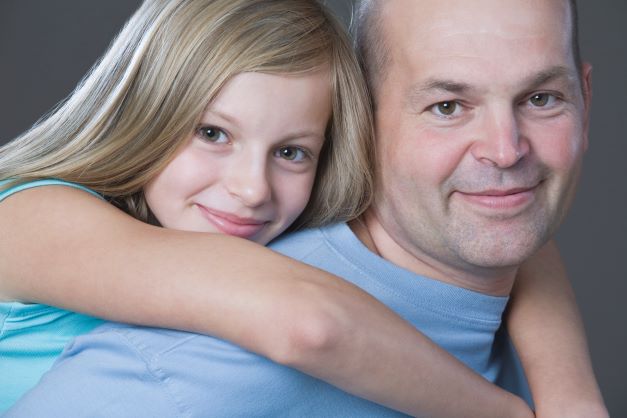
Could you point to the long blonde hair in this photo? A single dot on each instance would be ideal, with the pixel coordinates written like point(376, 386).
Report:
point(127, 118)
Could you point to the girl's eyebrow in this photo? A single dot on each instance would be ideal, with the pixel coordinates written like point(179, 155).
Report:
point(304, 134)
point(222, 115)
point(233, 120)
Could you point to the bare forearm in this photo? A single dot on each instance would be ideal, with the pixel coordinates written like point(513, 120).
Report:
point(547, 330)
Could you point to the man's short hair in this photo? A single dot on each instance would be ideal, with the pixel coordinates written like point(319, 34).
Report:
point(370, 43)
point(373, 50)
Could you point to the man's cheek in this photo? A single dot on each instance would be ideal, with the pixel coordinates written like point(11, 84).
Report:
point(560, 145)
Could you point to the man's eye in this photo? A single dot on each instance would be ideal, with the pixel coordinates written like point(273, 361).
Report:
point(291, 153)
point(542, 99)
point(448, 108)
point(212, 134)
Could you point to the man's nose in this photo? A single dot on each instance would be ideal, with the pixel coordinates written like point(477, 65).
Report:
point(247, 180)
point(499, 142)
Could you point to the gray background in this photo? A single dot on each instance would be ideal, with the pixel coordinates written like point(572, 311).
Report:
point(46, 47)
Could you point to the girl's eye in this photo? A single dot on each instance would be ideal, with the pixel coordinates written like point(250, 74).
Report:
point(291, 153)
point(212, 134)
point(542, 100)
point(446, 109)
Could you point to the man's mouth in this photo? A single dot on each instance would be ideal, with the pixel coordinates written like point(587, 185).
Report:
point(500, 199)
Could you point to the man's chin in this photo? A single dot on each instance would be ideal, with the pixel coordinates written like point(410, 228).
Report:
point(499, 254)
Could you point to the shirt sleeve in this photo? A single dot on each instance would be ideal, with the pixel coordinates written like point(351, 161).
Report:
point(98, 375)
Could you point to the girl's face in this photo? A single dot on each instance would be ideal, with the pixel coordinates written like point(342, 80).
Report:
point(249, 167)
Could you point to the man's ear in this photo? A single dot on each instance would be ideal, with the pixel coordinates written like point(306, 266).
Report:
point(586, 86)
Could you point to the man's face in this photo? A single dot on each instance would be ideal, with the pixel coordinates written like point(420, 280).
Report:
point(481, 128)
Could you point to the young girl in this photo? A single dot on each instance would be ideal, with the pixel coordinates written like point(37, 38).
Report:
point(218, 120)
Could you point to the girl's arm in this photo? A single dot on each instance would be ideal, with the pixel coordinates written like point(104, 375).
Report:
point(546, 328)
point(63, 247)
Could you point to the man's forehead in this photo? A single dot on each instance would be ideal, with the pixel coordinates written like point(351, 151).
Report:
point(431, 41)
point(416, 20)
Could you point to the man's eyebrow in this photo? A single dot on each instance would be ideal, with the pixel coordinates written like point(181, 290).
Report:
point(419, 90)
point(551, 74)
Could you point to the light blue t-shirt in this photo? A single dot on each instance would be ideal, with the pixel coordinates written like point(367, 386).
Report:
point(127, 371)
point(31, 335)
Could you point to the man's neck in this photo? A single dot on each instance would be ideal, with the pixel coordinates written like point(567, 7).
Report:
point(373, 234)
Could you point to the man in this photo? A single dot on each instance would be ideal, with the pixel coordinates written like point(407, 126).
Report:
point(481, 118)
